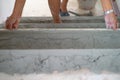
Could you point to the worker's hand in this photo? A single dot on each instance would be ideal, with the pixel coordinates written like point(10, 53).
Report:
point(111, 21)
point(12, 23)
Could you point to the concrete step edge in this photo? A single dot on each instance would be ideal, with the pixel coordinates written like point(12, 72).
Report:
point(71, 19)
point(62, 25)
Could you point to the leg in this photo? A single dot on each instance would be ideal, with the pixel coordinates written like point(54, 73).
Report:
point(55, 9)
point(63, 8)
point(13, 21)
point(64, 5)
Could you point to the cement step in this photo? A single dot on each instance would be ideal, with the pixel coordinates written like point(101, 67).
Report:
point(39, 38)
point(68, 22)
point(70, 19)
point(33, 34)
point(38, 47)
point(50, 60)
point(62, 25)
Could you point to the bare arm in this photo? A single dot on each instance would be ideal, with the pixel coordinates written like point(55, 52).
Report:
point(13, 21)
point(110, 19)
point(106, 4)
point(18, 8)
point(115, 7)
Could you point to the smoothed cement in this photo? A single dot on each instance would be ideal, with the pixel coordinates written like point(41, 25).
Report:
point(41, 38)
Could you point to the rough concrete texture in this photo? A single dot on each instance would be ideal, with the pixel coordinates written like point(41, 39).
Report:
point(44, 61)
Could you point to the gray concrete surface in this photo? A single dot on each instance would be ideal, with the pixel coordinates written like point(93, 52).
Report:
point(45, 61)
point(68, 22)
point(70, 19)
point(62, 25)
point(38, 38)
point(43, 48)
point(39, 33)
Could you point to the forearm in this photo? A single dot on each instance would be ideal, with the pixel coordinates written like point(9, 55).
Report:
point(110, 17)
point(18, 8)
point(115, 8)
point(106, 4)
